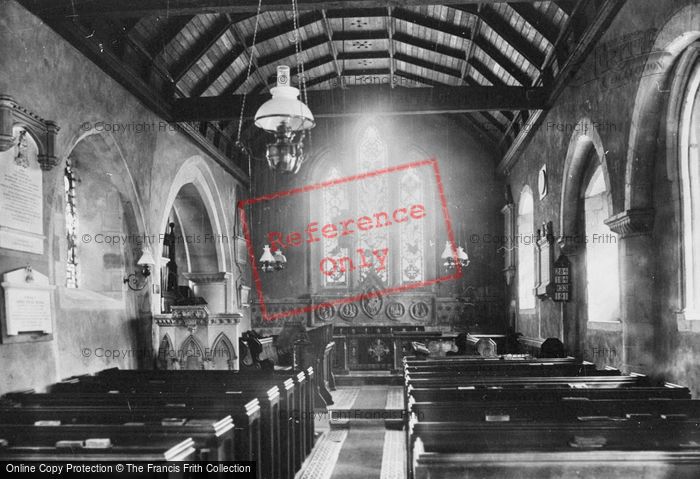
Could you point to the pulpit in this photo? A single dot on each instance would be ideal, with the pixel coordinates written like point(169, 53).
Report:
point(193, 338)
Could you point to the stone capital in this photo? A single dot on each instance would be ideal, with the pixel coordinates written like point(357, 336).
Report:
point(632, 222)
point(203, 278)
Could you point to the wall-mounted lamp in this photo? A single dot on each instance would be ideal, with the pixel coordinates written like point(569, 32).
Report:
point(450, 257)
point(270, 262)
point(138, 280)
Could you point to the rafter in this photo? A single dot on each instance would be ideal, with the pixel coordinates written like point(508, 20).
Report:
point(503, 29)
point(390, 29)
point(470, 51)
point(596, 27)
point(331, 43)
point(455, 30)
point(429, 65)
point(485, 72)
point(167, 34)
point(379, 99)
point(142, 8)
point(538, 21)
point(282, 29)
point(249, 56)
point(203, 45)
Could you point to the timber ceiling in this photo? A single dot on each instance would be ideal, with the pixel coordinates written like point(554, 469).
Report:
point(494, 65)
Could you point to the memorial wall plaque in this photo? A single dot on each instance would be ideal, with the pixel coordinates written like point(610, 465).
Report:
point(27, 303)
point(21, 195)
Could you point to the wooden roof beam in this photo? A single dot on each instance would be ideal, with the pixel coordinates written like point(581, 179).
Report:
point(455, 30)
point(390, 29)
point(284, 28)
point(503, 29)
point(331, 44)
point(142, 8)
point(538, 21)
point(376, 99)
point(171, 30)
point(202, 46)
point(470, 51)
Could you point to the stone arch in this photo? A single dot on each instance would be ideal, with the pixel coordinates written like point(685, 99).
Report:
point(197, 205)
point(223, 352)
point(191, 354)
point(195, 171)
point(585, 146)
point(166, 352)
point(648, 117)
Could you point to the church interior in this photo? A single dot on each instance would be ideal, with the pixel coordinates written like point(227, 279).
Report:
point(319, 239)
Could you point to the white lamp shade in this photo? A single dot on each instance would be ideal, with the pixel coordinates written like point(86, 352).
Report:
point(267, 255)
point(461, 254)
point(146, 258)
point(447, 252)
point(284, 107)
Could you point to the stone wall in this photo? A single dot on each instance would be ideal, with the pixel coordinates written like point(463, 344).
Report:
point(129, 180)
point(614, 113)
point(474, 196)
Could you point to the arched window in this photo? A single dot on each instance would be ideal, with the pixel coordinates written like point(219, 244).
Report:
point(412, 232)
point(526, 250)
point(690, 195)
point(71, 215)
point(335, 205)
point(602, 270)
point(373, 194)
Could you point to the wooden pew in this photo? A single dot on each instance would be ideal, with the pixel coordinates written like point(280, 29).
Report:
point(243, 408)
point(502, 370)
point(457, 393)
point(289, 436)
point(566, 409)
point(154, 451)
point(214, 441)
point(269, 457)
point(307, 382)
point(430, 463)
point(527, 381)
point(481, 401)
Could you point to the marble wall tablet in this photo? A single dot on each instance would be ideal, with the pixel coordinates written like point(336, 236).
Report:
point(21, 201)
point(27, 302)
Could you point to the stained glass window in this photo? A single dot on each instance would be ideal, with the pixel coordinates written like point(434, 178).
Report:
point(367, 197)
point(373, 195)
point(335, 208)
point(71, 215)
point(412, 232)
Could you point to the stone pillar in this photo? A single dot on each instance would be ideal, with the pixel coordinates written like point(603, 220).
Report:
point(215, 289)
point(634, 228)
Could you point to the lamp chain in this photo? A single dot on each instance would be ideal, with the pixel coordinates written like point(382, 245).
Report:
point(250, 66)
point(300, 63)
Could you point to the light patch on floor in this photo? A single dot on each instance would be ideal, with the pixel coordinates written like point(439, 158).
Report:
point(394, 455)
point(322, 460)
point(344, 398)
point(394, 398)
